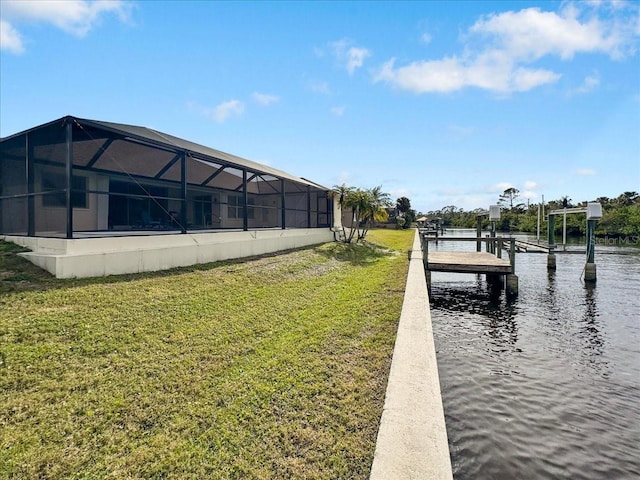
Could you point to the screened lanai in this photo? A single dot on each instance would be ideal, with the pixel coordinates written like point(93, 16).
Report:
point(78, 178)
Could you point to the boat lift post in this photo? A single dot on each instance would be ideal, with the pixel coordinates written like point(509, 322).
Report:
point(594, 212)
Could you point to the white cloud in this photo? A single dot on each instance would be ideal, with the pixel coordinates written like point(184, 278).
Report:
point(10, 38)
point(590, 83)
point(530, 185)
point(448, 192)
point(349, 56)
point(500, 187)
point(355, 58)
point(343, 178)
point(400, 192)
point(419, 77)
point(227, 109)
point(585, 172)
point(76, 17)
point(451, 74)
point(320, 87)
point(265, 99)
point(425, 38)
point(220, 113)
point(524, 79)
point(530, 34)
point(500, 50)
point(338, 111)
point(466, 201)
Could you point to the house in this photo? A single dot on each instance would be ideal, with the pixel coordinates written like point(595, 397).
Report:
point(93, 198)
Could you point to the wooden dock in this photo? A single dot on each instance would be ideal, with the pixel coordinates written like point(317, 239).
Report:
point(533, 247)
point(530, 247)
point(499, 271)
point(468, 262)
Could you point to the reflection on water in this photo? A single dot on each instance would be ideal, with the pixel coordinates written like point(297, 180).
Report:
point(591, 328)
point(546, 386)
point(498, 317)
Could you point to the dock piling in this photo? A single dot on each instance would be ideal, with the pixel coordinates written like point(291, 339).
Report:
point(590, 267)
point(425, 253)
point(512, 285)
point(590, 272)
point(511, 282)
point(551, 258)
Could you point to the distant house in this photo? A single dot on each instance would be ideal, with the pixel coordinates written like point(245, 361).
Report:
point(94, 198)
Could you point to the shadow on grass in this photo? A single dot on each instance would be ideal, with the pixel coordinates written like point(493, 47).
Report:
point(19, 275)
point(354, 253)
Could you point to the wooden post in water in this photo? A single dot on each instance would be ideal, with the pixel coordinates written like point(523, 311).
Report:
point(538, 226)
point(564, 230)
point(590, 267)
point(551, 257)
point(478, 233)
point(493, 235)
point(425, 261)
point(512, 278)
point(425, 252)
point(512, 253)
point(495, 280)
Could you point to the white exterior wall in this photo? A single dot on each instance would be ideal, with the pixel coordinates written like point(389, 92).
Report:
point(337, 212)
point(96, 257)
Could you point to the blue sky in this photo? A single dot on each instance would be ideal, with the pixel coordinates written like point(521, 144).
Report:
point(447, 103)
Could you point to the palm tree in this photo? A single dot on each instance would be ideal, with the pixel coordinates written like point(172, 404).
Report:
point(360, 201)
point(344, 202)
point(375, 208)
point(367, 206)
point(403, 204)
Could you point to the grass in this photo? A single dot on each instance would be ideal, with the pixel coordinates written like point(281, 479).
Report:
point(271, 367)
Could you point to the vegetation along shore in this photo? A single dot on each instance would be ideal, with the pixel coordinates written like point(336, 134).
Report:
point(621, 216)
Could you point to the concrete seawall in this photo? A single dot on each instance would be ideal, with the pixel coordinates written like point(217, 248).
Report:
point(412, 438)
point(97, 257)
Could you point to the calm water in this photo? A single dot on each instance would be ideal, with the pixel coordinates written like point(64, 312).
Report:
point(546, 386)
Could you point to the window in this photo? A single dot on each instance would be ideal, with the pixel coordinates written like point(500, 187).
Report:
point(234, 207)
point(53, 181)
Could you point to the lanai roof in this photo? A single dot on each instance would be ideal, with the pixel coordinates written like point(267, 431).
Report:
point(170, 142)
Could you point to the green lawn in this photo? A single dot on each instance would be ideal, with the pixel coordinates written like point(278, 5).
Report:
point(272, 367)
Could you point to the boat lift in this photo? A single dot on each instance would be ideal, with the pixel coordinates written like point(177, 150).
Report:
point(594, 212)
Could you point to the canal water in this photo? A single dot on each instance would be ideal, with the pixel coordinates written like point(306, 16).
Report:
point(546, 386)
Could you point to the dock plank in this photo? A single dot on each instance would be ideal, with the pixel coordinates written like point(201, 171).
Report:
point(530, 247)
point(467, 262)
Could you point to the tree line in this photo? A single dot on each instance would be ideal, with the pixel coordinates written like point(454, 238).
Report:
point(620, 215)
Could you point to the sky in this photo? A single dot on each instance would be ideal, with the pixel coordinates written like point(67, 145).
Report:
point(443, 102)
